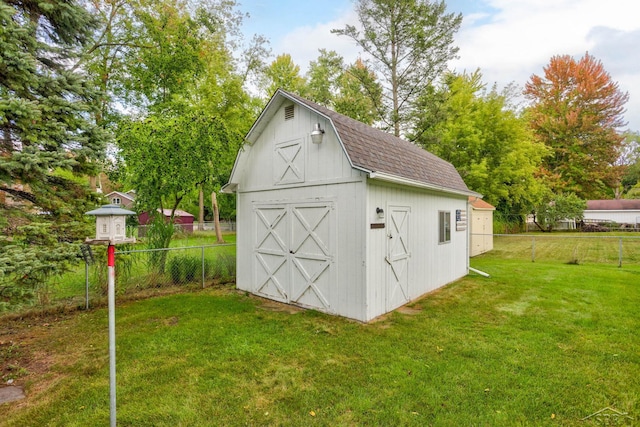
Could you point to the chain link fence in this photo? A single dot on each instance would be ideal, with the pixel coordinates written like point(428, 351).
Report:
point(568, 249)
point(138, 271)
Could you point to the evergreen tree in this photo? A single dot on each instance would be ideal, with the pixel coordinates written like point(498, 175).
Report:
point(47, 140)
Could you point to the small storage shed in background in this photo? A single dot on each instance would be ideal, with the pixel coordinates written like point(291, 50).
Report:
point(481, 219)
point(337, 216)
point(621, 211)
point(183, 220)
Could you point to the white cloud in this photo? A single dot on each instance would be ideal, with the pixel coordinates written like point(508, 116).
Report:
point(522, 36)
point(303, 42)
point(509, 40)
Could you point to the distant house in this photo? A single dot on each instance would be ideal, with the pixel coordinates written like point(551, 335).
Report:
point(125, 200)
point(335, 215)
point(481, 225)
point(622, 211)
point(183, 220)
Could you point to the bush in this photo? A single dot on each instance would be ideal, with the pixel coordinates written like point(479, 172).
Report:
point(185, 269)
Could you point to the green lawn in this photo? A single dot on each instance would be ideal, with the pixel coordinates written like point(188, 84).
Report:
point(534, 344)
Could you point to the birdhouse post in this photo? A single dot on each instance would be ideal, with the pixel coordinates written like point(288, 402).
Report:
point(110, 230)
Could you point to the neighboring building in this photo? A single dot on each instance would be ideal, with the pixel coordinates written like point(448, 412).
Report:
point(355, 225)
point(481, 220)
point(125, 200)
point(181, 219)
point(621, 211)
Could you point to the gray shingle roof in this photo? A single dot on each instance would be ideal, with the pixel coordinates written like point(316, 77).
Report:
point(380, 152)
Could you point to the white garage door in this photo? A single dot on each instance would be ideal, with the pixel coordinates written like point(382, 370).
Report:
point(294, 253)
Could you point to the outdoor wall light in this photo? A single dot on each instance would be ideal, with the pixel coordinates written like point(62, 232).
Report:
point(380, 212)
point(317, 134)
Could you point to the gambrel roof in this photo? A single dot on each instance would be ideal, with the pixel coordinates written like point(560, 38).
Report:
point(380, 154)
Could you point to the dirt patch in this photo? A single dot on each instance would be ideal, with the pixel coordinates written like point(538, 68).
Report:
point(411, 311)
point(280, 307)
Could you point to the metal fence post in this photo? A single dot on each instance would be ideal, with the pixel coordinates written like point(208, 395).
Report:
point(533, 249)
point(620, 254)
point(86, 284)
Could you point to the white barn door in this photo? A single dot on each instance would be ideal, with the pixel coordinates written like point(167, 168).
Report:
point(294, 253)
point(398, 256)
point(270, 252)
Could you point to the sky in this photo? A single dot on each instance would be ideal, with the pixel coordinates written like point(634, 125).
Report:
point(508, 40)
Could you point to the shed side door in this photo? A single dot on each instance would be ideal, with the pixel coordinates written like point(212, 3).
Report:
point(398, 256)
point(311, 254)
point(271, 252)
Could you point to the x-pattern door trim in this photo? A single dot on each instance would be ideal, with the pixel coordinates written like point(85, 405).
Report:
point(289, 163)
point(270, 227)
point(311, 230)
point(398, 253)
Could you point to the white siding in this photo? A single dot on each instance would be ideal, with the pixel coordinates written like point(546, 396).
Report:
point(431, 265)
point(328, 176)
point(263, 163)
point(347, 294)
point(481, 222)
point(621, 217)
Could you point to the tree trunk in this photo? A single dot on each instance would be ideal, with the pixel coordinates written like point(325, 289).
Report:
point(216, 219)
point(201, 209)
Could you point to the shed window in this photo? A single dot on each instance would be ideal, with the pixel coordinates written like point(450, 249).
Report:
point(115, 200)
point(288, 112)
point(444, 227)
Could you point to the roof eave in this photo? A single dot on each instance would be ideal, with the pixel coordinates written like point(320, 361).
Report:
point(381, 176)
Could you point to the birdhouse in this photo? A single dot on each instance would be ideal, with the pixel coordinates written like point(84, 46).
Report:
point(111, 224)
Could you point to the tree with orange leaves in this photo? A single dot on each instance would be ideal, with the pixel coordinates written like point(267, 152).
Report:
point(576, 110)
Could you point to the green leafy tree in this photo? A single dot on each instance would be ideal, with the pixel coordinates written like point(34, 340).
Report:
point(353, 90)
point(359, 94)
point(630, 161)
point(576, 110)
point(558, 207)
point(323, 78)
point(283, 73)
point(45, 132)
point(167, 156)
point(481, 134)
point(410, 43)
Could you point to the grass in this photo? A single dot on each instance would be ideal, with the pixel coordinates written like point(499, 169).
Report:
point(534, 344)
point(574, 248)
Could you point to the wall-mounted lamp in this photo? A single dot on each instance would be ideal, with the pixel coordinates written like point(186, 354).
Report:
point(317, 134)
point(380, 212)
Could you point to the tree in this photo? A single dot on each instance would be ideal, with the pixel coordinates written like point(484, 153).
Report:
point(359, 94)
point(353, 91)
point(558, 207)
point(283, 73)
point(323, 78)
point(576, 110)
point(630, 161)
point(168, 155)
point(47, 140)
point(491, 146)
point(410, 43)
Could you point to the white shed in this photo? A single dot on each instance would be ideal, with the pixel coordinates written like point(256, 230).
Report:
point(621, 211)
point(355, 225)
point(481, 219)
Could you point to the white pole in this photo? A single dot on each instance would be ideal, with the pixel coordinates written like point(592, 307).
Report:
point(111, 264)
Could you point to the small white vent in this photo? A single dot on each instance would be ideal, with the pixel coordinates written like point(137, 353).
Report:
point(288, 112)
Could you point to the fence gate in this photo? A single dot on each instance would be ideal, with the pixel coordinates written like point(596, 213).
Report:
point(294, 252)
